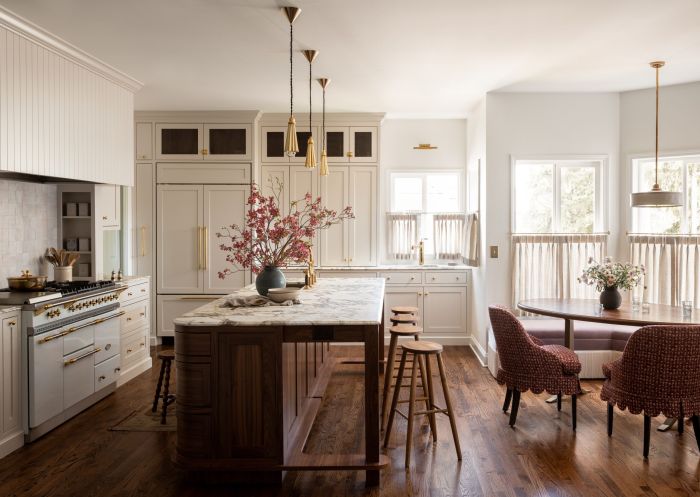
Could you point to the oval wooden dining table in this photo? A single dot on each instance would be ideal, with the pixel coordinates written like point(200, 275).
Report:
point(571, 310)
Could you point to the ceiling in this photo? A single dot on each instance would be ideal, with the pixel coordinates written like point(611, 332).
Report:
point(419, 59)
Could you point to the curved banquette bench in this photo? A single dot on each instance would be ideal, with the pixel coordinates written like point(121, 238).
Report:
point(595, 343)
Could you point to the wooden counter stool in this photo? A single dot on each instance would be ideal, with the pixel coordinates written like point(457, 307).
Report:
point(422, 350)
point(401, 309)
point(403, 319)
point(396, 332)
point(166, 357)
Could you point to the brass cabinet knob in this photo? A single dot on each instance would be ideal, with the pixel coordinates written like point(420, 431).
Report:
point(426, 293)
point(350, 154)
point(12, 323)
point(101, 378)
point(129, 351)
point(205, 151)
point(104, 218)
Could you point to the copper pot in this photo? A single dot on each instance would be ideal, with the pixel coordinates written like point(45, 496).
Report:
point(27, 282)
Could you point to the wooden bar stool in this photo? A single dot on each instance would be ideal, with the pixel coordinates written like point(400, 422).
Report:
point(422, 350)
point(166, 357)
point(396, 332)
point(400, 309)
point(403, 319)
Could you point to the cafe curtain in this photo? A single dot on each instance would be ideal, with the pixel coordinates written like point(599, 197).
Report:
point(672, 264)
point(402, 235)
point(548, 265)
point(448, 235)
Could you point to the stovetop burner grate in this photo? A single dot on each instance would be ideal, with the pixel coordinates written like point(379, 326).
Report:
point(75, 287)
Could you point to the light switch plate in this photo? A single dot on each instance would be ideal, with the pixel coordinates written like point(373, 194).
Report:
point(493, 250)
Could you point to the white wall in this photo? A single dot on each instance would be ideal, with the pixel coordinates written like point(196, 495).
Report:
point(520, 124)
point(476, 161)
point(678, 130)
point(28, 225)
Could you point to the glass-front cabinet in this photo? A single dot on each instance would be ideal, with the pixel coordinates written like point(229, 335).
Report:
point(351, 144)
point(273, 140)
point(203, 141)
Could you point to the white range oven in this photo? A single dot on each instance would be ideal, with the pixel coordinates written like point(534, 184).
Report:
point(70, 352)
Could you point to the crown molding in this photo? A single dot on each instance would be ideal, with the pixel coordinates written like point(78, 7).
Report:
point(43, 38)
point(212, 116)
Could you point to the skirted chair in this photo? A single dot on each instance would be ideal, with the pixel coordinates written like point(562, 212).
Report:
point(658, 373)
point(526, 364)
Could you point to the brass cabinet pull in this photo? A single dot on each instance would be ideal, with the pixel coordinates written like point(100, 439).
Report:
point(143, 241)
point(199, 248)
point(102, 377)
point(198, 298)
point(129, 351)
point(206, 247)
point(350, 154)
point(12, 323)
point(80, 327)
point(205, 151)
point(76, 359)
point(426, 293)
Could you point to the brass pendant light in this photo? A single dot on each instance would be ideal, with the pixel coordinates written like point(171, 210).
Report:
point(323, 166)
point(291, 145)
point(310, 148)
point(656, 197)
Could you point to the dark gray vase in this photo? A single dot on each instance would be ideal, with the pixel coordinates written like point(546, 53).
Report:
point(610, 298)
point(269, 277)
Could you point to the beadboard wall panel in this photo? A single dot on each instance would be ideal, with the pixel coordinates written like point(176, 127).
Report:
point(62, 118)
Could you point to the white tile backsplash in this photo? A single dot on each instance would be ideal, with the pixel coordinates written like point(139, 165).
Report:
point(28, 225)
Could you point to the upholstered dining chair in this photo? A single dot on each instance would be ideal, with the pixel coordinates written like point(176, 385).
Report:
point(526, 364)
point(658, 373)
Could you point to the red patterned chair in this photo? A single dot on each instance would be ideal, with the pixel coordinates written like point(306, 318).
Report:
point(658, 373)
point(526, 364)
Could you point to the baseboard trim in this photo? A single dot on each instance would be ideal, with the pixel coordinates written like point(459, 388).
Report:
point(155, 341)
point(11, 443)
point(144, 365)
point(479, 351)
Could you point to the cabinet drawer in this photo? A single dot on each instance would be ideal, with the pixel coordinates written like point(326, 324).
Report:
point(402, 278)
point(446, 277)
point(134, 317)
point(134, 293)
point(233, 174)
point(78, 340)
point(107, 372)
point(133, 347)
point(346, 274)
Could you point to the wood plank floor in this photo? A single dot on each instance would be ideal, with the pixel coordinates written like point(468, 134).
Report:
point(541, 456)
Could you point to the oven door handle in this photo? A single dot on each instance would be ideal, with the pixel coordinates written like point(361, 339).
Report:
point(76, 359)
point(73, 329)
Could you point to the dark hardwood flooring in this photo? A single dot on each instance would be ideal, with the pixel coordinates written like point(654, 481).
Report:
point(541, 456)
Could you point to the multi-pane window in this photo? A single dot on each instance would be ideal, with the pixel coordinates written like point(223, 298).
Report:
point(426, 194)
point(679, 174)
point(557, 196)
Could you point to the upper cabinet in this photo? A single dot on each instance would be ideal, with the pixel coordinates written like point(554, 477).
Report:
point(63, 113)
point(108, 206)
point(274, 138)
point(144, 141)
point(195, 141)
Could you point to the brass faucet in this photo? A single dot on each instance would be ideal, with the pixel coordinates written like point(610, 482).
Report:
point(310, 272)
point(421, 251)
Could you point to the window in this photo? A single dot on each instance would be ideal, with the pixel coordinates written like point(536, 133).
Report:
point(557, 196)
point(424, 195)
point(675, 174)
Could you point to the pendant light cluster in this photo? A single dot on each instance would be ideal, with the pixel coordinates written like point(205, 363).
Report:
point(656, 197)
point(291, 146)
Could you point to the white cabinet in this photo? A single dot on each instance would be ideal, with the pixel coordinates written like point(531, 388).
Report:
point(143, 208)
point(144, 141)
point(224, 205)
point(271, 177)
point(362, 231)
point(334, 240)
point(179, 224)
point(134, 334)
point(445, 311)
point(203, 141)
point(352, 144)
point(171, 307)
point(11, 436)
point(108, 206)
point(188, 218)
point(402, 296)
point(353, 242)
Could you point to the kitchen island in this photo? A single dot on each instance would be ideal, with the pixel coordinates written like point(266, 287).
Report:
point(250, 380)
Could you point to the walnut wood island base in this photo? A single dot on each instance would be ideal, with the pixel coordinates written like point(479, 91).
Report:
point(250, 381)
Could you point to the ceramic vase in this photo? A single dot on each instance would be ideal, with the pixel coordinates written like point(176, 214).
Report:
point(610, 298)
point(269, 277)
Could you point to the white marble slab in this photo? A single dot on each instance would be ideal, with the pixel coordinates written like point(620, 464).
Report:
point(332, 301)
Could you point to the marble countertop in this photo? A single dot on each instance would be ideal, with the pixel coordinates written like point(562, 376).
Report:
point(386, 267)
point(332, 301)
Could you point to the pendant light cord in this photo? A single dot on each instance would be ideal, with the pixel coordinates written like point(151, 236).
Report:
point(656, 178)
point(291, 70)
point(323, 121)
point(310, 132)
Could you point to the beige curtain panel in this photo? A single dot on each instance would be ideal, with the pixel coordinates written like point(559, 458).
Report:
point(448, 236)
point(672, 264)
point(470, 255)
point(402, 235)
point(548, 265)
